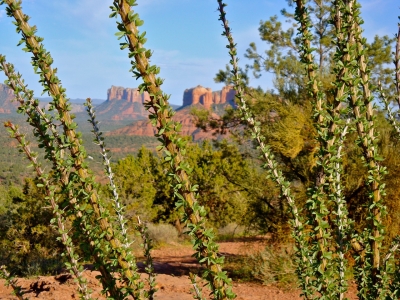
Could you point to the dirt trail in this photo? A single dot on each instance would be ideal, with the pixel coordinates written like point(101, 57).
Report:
point(172, 264)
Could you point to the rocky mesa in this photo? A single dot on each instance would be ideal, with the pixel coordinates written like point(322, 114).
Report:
point(198, 97)
point(206, 97)
point(123, 104)
point(130, 95)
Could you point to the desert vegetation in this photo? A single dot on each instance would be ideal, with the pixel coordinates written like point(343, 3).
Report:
point(315, 162)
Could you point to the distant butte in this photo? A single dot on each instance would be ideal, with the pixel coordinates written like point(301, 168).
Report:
point(194, 97)
point(206, 97)
point(128, 94)
point(123, 104)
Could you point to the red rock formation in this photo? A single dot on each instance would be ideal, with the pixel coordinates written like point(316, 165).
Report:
point(227, 94)
point(6, 91)
point(197, 95)
point(123, 104)
point(7, 106)
point(217, 97)
point(206, 97)
point(128, 94)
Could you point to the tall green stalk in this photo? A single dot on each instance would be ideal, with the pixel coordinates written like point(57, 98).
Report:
point(360, 101)
point(42, 61)
point(52, 142)
point(174, 149)
point(73, 265)
point(304, 259)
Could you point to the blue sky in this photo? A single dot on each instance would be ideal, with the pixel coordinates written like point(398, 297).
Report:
point(184, 34)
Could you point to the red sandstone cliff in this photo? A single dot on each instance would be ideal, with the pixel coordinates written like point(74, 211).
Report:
point(199, 96)
point(206, 97)
point(128, 94)
point(7, 106)
point(123, 104)
point(127, 103)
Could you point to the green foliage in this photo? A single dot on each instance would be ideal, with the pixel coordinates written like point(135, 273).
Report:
point(162, 233)
point(173, 147)
point(141, 181)
point(322, 245)
point(224, 177)
point(28, 244)
point(281, 56)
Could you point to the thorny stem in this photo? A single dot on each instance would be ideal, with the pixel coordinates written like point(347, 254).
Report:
point(174, 149)
point(75, 267)
point(397, 66)
point(391, 115)
point(149, 267)
point(42, 60)
point(270, 163)
point(254, 125)
point(341, 213)
point(317, 202)
point(197, 291)
point(30, 106)
point(364, 115)
point(110, 175)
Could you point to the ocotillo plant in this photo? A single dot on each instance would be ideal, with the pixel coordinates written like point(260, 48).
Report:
point(91, 222)
point(174, 148)
point(321, 250)
point(78, 185)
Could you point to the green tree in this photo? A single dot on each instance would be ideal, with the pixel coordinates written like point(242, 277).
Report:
point(282, 47)
point(28, 244)
point(138, 178)
point(285, 116)
point(146, 190)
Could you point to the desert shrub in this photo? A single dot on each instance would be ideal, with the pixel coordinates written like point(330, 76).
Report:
point(162, 233)
point(231, 231)
point(224, 176)
point(28, 244)
point(141, 180)
point(276, 264)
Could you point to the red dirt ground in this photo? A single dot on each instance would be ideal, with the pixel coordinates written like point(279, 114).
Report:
point(172, 264)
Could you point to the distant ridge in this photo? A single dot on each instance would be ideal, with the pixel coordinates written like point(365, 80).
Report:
point(125, 105)
point(7, 106)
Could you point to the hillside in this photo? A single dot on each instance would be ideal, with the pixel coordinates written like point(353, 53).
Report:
point(7, 106)
point(183, 116)
point(123, 113)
